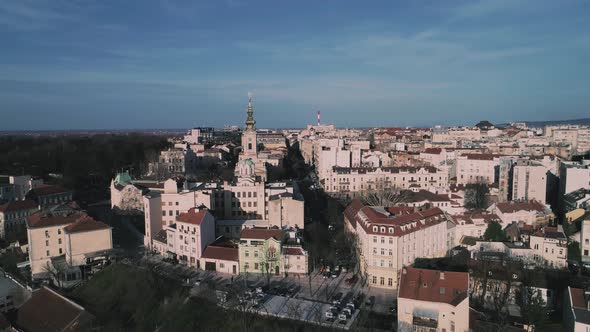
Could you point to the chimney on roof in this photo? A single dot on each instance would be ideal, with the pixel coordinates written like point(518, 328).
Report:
point(442, 276)
point(404, 271)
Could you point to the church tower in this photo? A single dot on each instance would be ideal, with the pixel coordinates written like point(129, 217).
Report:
point(249, 144)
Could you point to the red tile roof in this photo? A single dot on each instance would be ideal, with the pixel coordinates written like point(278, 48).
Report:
point(261, 233)
point(193, 216)
point(47, 311)
point(433, 286)
point(293, 251)
point(433, 150)
point(578, 300)
point(221, 253)
point(37, 220)
point(511, 207)
point(18, 205)
point(482, 156)
point(85, 224)
point(550, 232)
point(365, 216)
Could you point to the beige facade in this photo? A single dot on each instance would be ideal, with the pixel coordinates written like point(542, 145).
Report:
point(474, 168)
point(351, 182)
point(431, 300)
point(529, 182)
point(75, 236)
point(387, 242)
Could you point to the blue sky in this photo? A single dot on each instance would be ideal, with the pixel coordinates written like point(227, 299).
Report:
point(173, 64)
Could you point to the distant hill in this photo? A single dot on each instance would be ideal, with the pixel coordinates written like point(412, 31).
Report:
point(581, 122)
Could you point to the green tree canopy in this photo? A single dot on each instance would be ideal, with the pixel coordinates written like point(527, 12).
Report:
point(494, 232)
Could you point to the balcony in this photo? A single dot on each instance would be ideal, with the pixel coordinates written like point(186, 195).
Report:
point(424, 324)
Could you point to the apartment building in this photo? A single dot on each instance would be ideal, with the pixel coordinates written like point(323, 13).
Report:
point(573, 176)
point(272, 251)
point(50, 195)
point(474, 168)
point(188, 237)
point(387, 242)
point(73, 240)
point(278, 203)
point(222, 257)
point(13, 216)
point(532, 213)
point(549, 247)
point(260, 251)
point(585, 240)
point(430, 300)
point(351, 182)
point(18, 185)
point(529, 181)
point(469, 224)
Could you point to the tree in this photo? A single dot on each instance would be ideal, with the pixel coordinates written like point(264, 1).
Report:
point(534, 309)
point(494, 232)
point(574, 252)
point(385, 197)
point(476, 195)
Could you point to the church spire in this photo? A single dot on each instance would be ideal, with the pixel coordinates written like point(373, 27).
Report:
point(250, 122)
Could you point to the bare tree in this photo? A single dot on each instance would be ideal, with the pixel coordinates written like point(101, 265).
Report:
point(385, 197)
point(57, 273)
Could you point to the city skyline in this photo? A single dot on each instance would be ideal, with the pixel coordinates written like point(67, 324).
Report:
point(106, 65)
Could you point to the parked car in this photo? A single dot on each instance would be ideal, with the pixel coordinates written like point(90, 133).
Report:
point(331, 313)
point(342, 316)
point(198, 282)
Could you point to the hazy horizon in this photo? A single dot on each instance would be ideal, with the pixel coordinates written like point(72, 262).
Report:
point(178, 64)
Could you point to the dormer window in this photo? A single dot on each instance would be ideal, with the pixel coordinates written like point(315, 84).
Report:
point(382, 229)
point(375, 229)
point(391, 230)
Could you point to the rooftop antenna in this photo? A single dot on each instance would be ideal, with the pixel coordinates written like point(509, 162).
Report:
point(318, 112)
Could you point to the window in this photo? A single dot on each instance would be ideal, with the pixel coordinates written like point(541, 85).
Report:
point(60, 251)
point(176, 203)
point(47, 243)
point(46, 233)
point(47, 253)
point(390, 240)
point(59, 231)
point(375, 279)
point(246, 266)
point(59, 241)
point(256, 253)
point(255, 266)
point(390, 252)
point(382, 252)
point(382, 238)
point(382, 281)
point(374, 239)
point(170, 213)
point(163, 213)
point(375, 251)
point(390, 282)
point(247, 253)
point(221, 265)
